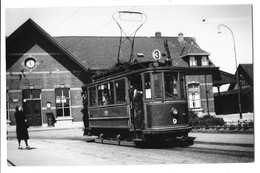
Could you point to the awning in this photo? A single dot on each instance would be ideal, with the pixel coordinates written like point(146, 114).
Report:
point(224, 78)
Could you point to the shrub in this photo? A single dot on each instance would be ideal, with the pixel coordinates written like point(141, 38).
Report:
point(205, 121)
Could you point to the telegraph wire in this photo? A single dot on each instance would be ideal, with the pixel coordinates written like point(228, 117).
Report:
point(66, 19)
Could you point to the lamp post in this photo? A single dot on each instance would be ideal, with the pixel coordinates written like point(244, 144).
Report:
point(238, 85)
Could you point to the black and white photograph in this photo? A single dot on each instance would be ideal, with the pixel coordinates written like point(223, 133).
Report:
point(128, 86)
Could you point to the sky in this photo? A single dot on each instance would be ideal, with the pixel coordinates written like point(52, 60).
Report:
point(193, 20)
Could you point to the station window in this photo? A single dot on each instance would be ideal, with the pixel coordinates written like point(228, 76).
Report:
point(158, 88)
point(31, 94)
point(62, 96)
point(171, 89)
point(147, 86)
point(194, 95)
point(106, 94)
point(120, 91)
point(92, 96)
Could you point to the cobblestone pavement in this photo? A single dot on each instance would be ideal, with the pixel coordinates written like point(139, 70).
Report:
point(46, 152)
point(69, 147)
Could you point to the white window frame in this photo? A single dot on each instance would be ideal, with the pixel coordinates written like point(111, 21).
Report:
point(193, 61)
point(63, 107)
point(204, 61)
point(194, 103)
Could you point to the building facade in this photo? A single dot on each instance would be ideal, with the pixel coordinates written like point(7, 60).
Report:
point(42, 77)
point(227, 102)
point(44, 74)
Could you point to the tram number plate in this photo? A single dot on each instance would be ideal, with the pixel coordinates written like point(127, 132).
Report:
point(156, 54)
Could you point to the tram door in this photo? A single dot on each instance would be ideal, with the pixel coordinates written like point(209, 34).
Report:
point(136, 97)
point(32, 107)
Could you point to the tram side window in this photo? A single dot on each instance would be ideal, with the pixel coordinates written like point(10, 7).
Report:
point(147, 83)
point(92, 96)
point(171, 90)
point(105, 94)
point(158, 88)
point(120, 91)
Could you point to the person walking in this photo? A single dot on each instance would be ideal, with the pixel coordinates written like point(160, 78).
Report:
point(21, 127)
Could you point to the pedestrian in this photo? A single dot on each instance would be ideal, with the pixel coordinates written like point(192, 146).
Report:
point(21, 127)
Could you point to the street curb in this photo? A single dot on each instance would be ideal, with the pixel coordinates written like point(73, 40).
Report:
point(224, 143)
point(46, 129)
point(85, 138)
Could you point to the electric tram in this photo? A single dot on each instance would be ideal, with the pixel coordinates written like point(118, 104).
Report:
point(142, 102)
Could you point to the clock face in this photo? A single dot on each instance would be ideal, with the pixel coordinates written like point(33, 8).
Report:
point(30, 63)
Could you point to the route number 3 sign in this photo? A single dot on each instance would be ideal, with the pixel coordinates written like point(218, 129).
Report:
point(156, 54)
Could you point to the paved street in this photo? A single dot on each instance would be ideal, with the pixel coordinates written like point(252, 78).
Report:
point(48, 152)
point(69, 147)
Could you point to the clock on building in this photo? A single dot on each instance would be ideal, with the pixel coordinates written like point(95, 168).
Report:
point(30, 63)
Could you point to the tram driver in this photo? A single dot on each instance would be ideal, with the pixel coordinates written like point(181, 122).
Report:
point(137, 106)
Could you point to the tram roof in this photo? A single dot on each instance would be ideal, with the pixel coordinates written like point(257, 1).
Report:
point(100, 52)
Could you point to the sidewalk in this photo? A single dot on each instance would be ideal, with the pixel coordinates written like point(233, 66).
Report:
point(245, 140)
point(47, 128)
point(76, 133)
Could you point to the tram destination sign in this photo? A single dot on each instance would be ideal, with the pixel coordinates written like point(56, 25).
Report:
point(156, 54)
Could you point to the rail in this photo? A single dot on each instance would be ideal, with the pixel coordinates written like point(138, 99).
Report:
point(10, 163)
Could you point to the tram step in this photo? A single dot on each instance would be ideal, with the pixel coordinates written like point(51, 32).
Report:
point(115, 142)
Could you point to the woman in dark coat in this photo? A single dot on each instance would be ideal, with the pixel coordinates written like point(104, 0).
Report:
point(21, 127)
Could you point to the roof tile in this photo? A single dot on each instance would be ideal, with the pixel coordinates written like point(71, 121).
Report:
point(102, 52)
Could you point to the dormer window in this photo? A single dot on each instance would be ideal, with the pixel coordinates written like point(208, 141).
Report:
point(193, 61)
point(204, 61)
point(198, 61)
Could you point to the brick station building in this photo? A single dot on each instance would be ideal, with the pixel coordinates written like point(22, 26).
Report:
point(44, 74)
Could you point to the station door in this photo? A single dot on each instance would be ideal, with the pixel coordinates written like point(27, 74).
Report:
point(32, 106)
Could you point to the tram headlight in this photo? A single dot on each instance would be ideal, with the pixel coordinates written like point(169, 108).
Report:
point(174, 111)
point(174, 121)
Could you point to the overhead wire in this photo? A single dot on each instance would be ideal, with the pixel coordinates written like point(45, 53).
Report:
point(112, 20)
point(66, 19)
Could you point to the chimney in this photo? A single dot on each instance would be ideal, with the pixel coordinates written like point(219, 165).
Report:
point(158, 34)
point(180, 37)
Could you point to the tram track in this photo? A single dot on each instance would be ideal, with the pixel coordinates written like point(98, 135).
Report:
point(235, 151)
point(9, 163)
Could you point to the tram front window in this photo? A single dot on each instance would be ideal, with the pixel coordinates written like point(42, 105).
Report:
point(171, 90)
point(158, 85)
point(120, 91)
point(147, 85)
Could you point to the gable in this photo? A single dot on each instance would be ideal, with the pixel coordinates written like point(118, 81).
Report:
point(21, 42)
point(246, 70)
point(191, 49)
